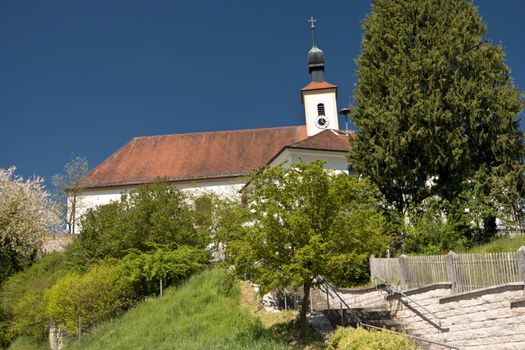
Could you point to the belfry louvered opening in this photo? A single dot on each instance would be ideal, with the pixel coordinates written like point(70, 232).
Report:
point(320, 109)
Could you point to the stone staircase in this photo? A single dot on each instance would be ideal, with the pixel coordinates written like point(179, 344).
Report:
point(374, 316)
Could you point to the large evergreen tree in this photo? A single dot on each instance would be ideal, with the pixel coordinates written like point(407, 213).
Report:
point(435, 105)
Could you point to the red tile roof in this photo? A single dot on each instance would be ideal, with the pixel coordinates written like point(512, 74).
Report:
point(194, 156)
point(209, 155)
point(327, 140)
point(318, 85)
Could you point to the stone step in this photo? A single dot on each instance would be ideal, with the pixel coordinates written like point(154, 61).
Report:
point(321, 324)
point(377, 317)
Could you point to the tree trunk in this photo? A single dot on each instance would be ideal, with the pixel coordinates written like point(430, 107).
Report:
point(72, 214)
point(303, 322)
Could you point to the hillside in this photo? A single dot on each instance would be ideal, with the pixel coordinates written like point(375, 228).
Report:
point(203, 314)
point(501, 244)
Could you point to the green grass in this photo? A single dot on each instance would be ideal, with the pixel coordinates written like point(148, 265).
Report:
point(503, 244)
point(203, 314)
point(27, 343)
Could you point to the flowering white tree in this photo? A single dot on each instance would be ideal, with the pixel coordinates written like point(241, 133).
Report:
point(27, 213)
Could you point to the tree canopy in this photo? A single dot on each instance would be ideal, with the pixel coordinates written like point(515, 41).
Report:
point(306, 222)
point(155, 215)
point(435, 106)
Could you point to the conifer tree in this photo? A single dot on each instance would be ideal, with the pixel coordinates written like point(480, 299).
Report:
point(435, 105)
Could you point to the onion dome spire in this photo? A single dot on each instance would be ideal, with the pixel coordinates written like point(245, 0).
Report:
point(315, 56)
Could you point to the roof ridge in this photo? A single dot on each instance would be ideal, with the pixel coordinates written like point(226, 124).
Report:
point(221, 131)
point(311, 137)
point(106, 160)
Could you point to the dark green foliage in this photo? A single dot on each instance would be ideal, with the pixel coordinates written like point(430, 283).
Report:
point(4, 324)
point(11, 261)
point(430, 231)
point(156, 215)
point(22, 298)
point(436, 107)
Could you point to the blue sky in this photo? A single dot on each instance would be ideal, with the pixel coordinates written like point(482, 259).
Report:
point(84, 77)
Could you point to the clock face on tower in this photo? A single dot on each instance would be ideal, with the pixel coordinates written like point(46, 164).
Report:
point(321, 122)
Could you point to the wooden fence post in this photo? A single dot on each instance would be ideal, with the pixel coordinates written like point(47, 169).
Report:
point(452, 270)
point(372, 269)
point(403, 271)
point(520, 254)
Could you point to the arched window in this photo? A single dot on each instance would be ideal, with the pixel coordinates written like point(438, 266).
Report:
point(320, 109)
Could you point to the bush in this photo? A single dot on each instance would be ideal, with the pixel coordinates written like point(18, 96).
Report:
point(145, 270)
point(362, 339)
point(155, 215)
point(22, 298)
point(95, 296)
point(112, 286)
point(437, 227)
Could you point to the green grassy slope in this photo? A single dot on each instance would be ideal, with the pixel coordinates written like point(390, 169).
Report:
point(503, 244)
point(203, 314)
point(26, 343)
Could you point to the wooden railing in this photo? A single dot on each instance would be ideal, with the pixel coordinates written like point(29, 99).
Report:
point(466, 272)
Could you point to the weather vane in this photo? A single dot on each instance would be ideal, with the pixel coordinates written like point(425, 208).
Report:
point(312, 21)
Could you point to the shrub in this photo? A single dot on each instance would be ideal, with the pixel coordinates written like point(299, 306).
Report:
point(145, 270)
point(362, 339)
point(112, 286)
point(22, 298)
point(436, 227)
point(97, 295)
point(155, 215)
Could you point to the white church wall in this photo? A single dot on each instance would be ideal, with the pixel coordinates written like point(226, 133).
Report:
point(224, 188)
point(334, 160)
point(90, 199)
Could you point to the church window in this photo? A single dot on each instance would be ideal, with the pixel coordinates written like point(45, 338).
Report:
point(320, 109)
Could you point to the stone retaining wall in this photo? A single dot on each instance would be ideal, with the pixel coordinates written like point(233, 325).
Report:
point(490, 318)
point(57, 242)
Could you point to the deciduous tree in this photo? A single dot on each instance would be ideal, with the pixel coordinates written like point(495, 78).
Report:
point(26, 215)
point(307, 222)
point(69, 188)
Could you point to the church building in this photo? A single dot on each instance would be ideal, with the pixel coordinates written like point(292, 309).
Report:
point(221, 162)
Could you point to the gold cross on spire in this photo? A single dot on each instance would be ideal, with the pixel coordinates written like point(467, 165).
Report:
point(312, 21)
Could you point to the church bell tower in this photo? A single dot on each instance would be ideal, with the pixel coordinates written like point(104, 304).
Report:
point(319, 97)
